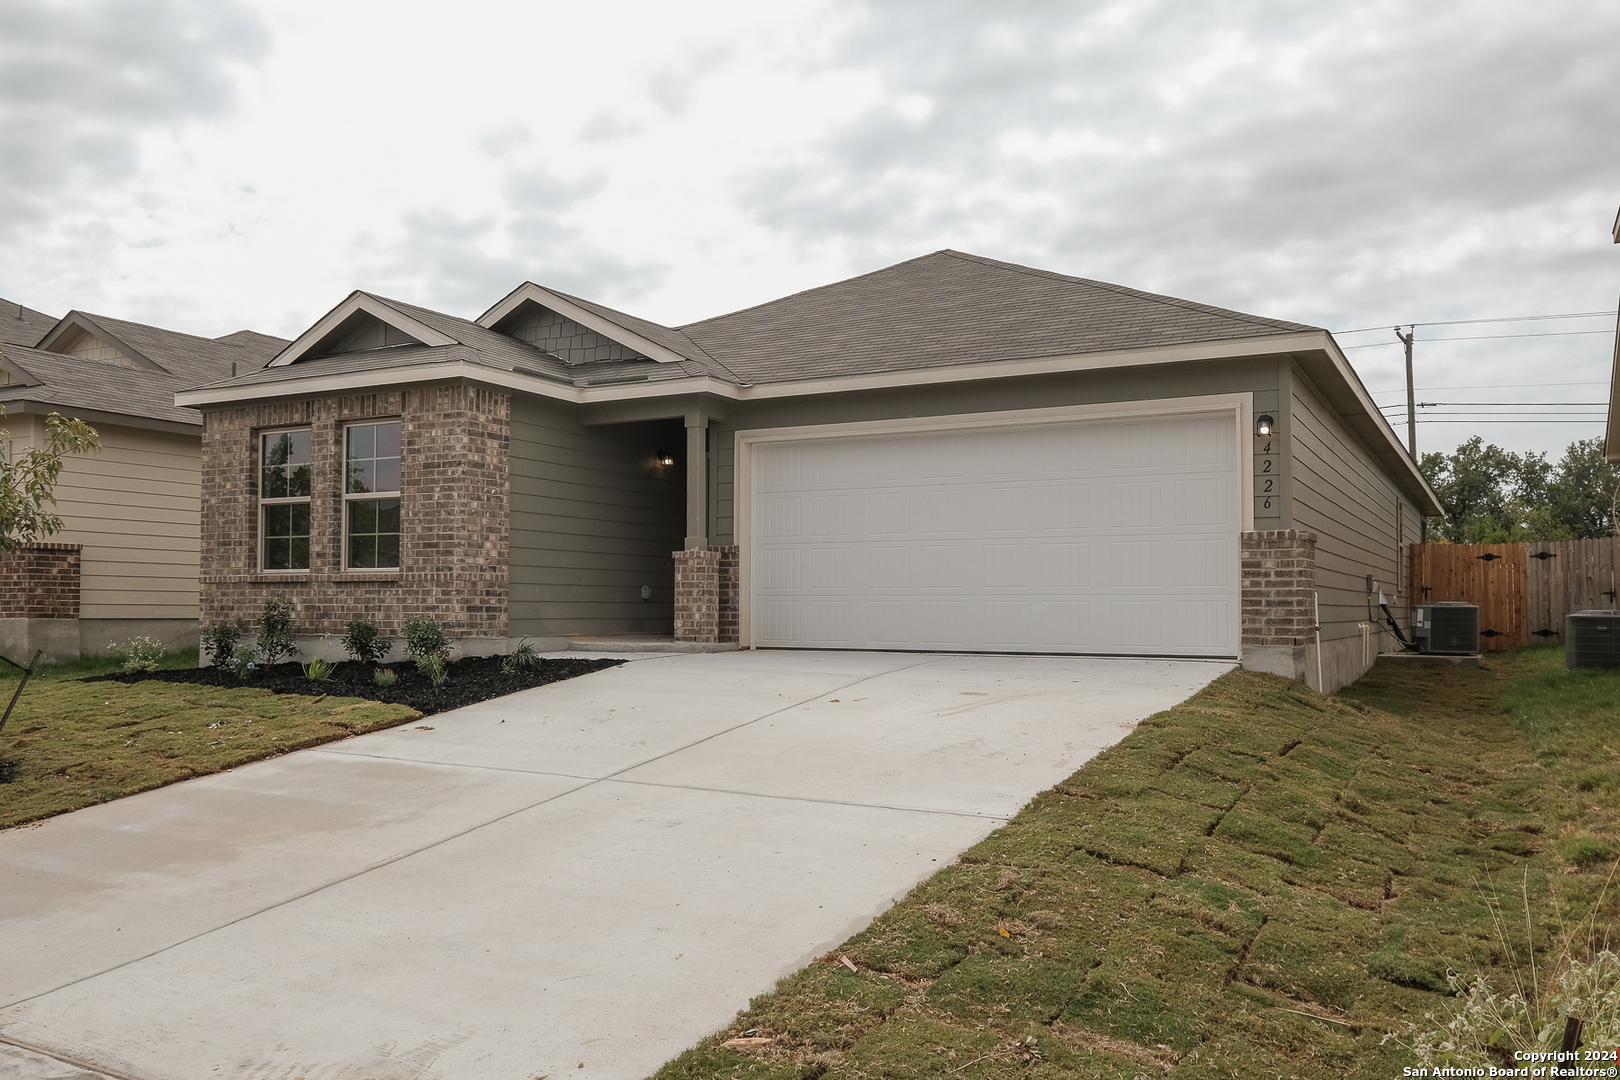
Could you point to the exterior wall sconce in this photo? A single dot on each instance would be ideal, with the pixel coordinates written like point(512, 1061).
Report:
point(1264, 426)
point(666, 459)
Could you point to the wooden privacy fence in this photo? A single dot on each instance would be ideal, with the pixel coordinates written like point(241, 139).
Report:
point(1523, 591)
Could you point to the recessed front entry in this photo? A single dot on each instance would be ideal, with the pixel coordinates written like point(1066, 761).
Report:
point(1095, 536)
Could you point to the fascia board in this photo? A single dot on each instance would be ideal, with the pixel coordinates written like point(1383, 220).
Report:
point(358, 302)
point(451, 369)
point(98, 418)
point(607, 328)
point(80, 321)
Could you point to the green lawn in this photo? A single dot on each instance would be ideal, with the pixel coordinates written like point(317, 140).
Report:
point(70, 744)
point(1259, 882)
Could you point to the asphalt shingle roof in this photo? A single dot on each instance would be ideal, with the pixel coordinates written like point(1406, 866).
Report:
point(68, 383)
point(940, 310)
point(22, 325)
point(952, 308)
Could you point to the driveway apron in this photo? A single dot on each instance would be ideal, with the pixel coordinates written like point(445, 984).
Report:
point(582, 879)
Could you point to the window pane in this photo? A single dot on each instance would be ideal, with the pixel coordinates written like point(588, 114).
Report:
point(300, 447)
point(373, 534)
point(298, 481)
point(360, 479)
point(371, 458)
point(362, 441)
point(362, 552)
point(286, 537)
point(387, 440)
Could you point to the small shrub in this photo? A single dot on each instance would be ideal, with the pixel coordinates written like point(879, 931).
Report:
point(384, 676)
point(137, 654)
point(318, 670)
point(243, 663)
point(276, 641)
point(522, 658)
point(220, 640)
point(424, 638)
point(362, 641)
point(435, 667)
point(1490, 1028)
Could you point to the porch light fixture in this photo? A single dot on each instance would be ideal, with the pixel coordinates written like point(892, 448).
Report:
point(1264, 426)
point(666, 459)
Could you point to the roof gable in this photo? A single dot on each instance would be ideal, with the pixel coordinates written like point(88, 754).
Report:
point(361, 323)
point(638, 338)
point(89, 338)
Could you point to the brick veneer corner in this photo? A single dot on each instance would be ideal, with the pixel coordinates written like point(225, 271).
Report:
point(1279, 577)
point(40, 581)
point(454, 512)
point(729, 593)
point(697, 595)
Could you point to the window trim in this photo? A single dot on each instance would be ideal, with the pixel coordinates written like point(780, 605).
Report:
point(290, 500)
point(364, 496)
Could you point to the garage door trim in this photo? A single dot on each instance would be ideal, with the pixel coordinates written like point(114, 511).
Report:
point(1240, 406)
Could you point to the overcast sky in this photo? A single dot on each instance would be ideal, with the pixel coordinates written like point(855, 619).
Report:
point(210, 165)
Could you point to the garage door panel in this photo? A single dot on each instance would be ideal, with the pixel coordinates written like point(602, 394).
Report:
point(1116, 537)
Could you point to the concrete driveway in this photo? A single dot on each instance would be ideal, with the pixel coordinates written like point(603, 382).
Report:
point(580, 880)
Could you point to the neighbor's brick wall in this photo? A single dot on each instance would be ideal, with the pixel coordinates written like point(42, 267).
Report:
point(1279, 575)
point(454, 507)
point(40, 581)
point(697, 594)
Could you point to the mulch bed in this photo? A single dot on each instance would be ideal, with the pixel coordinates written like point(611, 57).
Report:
point(473, 679)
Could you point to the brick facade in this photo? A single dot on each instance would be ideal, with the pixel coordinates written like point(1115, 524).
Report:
point(708, 587)
point(728, 586)
point(697, 595)
point(40, 581)
point(1279, 575)
point(455, 519)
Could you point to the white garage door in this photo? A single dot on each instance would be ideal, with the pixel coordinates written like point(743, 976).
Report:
point(1113, 537)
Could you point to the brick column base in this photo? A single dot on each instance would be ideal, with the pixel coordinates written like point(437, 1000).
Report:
point(697, 595)
point(1279, 618)
point(730, 585)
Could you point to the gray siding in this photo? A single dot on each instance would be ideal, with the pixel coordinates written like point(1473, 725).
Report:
point(1257, 376)
point(594, 518)
point(1361, 518)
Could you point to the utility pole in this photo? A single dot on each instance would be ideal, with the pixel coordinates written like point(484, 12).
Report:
point(1411, 397)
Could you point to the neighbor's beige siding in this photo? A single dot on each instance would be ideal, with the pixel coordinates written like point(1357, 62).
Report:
point(134, 507)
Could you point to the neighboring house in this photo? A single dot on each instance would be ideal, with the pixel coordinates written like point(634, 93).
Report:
point(126, 561)
point(1611, 442)
point(950, 454)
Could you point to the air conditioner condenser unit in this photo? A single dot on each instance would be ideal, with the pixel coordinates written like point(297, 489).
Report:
point(1592, 639)
point(1447, 628)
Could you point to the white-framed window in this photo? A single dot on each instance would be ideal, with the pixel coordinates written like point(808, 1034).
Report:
point(371, 469)
point(284, 481)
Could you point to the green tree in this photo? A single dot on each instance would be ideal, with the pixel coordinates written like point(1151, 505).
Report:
point(28, 480)
point(1494, 496)
point(1582, 496)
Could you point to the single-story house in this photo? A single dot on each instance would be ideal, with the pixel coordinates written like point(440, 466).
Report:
point(125, 563)
point(949, 454)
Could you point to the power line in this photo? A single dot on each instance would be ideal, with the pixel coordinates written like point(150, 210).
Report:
point(1467, 322)
point(1495, 386)
point(1487, 337)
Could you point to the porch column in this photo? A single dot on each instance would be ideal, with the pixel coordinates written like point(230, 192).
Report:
point(697, 481)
